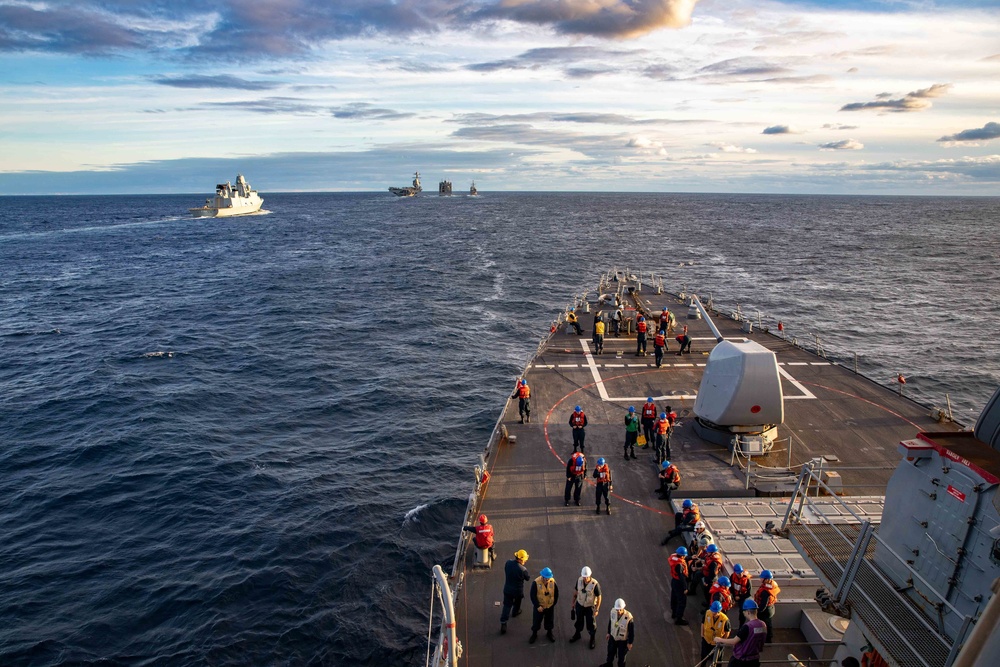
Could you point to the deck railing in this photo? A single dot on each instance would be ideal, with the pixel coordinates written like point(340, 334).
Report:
point(876, 596)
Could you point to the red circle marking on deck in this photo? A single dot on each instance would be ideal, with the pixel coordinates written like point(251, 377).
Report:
point(548, 415)
point(636, 503)
point(850, 395)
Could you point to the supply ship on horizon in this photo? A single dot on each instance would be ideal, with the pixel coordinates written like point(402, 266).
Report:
point(878, 517)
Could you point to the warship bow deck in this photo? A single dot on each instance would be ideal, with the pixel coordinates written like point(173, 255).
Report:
point(829, 412)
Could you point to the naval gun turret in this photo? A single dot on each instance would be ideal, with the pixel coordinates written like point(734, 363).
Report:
point(740, 402)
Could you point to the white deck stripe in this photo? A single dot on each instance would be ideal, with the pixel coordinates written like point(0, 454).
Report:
point(798, 363)
point(593, 371)
point(603, 392)
point(569, 365)
point(806, 393)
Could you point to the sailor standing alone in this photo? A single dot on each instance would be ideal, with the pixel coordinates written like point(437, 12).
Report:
point(578, 422)
point(621, 634)
point(523, 393)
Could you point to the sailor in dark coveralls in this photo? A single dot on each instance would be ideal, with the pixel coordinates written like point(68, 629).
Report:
point(749, 640)
point(515, 574)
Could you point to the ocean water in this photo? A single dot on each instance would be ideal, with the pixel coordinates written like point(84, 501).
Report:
point(246, 441)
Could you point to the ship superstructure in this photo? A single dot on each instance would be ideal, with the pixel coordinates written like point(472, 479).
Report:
point(817, 419)
point(444, 188)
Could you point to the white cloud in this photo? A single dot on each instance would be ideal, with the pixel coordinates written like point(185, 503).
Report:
point(730, 148)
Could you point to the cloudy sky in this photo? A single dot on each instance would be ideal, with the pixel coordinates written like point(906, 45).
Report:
point(801, 96)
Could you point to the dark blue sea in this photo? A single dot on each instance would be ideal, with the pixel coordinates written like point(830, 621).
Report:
point(246, 441)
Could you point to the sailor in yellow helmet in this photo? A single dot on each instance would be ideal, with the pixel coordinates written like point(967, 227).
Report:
point(515, 574)
point(621, 634)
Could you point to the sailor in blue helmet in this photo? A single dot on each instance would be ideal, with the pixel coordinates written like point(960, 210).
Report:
point(749, 640)
point(631, 432)
point(741, 587)
point(715, 624)
point(684, 520)
point(576, 473)
point(641, 327)
point(544, 596)
point(578, 422)
point(522, 392)
point(602, 475)
point(572, 319)
point(679, 575)
point(670, 480)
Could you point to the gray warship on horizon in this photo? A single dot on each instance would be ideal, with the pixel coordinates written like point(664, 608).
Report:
point(409, 191)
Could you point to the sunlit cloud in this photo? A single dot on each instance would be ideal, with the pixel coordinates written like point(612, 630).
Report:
point(252, 31)
point(842, 145)
point(618, 19)
point(730, 148)
point(913, 101)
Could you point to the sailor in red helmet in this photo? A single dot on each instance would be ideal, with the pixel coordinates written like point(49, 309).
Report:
point(484, 534)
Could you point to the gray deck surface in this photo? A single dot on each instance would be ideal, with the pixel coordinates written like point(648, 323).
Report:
point(851, 418)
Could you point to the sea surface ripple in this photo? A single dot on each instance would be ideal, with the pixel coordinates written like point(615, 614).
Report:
point(246, 441)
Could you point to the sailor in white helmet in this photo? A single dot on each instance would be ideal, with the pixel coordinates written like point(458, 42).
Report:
point(700, 541)
point(586, 605)
point(621, 634)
